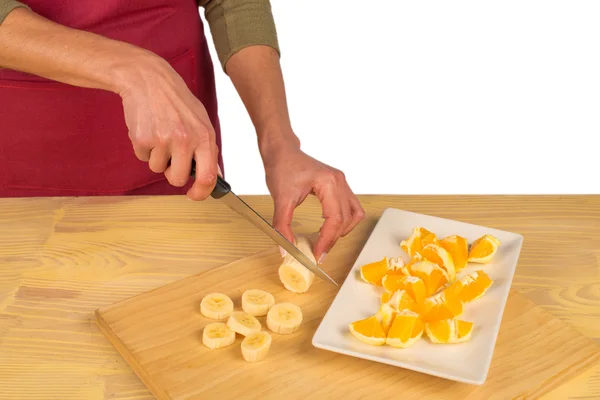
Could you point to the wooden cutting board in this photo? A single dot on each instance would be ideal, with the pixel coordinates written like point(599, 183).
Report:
point(159, 334)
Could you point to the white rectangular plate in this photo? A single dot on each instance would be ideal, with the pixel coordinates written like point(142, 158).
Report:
point(467, 362)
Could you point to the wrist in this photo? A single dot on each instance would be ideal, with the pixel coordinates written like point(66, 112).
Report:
point(277, 141)
point(138, 65)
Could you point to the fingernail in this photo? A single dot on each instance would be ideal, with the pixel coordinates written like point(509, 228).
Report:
point(322, 258)
point(282, 251)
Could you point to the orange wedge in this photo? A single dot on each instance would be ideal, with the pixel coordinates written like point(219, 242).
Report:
point(373, 272)
point(434, 276)
point(369, 331)
point(449, 331)
point(458, 247)
point(386, 296)
point(441, 257)
point(429, 238)
point(406, 330)
point(396, 267)
point(471, 287)
point(385, 316)
point(440, 306)
point(483, 249)
point(401, 300)
point(412, 245)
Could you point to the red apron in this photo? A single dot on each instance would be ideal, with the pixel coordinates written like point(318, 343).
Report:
point(62, 140)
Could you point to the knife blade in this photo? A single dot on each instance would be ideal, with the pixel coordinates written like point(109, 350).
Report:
point(223, 192)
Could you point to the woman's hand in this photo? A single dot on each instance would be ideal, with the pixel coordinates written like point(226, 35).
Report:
point(169, 126)
point(291, 176)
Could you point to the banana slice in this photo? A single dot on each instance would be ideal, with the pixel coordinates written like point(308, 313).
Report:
point(217, 335)
point(284, 318)
point(294, 276)
point(243, 323)
point(256, 346)
point(257, 302)
point(216, 306)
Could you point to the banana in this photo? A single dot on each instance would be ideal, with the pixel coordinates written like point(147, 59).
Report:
point(256, 346)
point(294, 276)
point(284, 318)
point(257, 302)
point(243, 323)
point(217, 335)
point(216, 306)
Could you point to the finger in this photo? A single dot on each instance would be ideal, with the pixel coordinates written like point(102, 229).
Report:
point(334, 221)
point(346, 210)
point(282, 219)
point(206, 172)
point(143, 154)
point(159, 159)
point(358, 213)
point(178, 173)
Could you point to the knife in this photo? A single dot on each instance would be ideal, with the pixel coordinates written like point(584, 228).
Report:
point(222, 192)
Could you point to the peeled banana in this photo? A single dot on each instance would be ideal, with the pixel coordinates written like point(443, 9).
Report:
point(284, 318)
point(217, 335)
point(216, 306)
point(256, 346)
point(243, 323)
point(257, 302)
point(294, 276)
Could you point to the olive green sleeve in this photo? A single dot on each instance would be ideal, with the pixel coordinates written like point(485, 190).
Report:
point(235, 24)
point(6, 6)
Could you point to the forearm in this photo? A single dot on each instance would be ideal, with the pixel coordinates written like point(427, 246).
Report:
point(256, 74)
point(33, 44)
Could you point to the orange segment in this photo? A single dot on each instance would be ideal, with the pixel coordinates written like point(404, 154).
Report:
point(431, 274)
point(483, 249)
point(412, 245)
point(463, 330)
point(391, 283)
point(441, 306)
point(471, 287)
point(386, 296)
point(368, 331)
point(441, 257)
point(401, 300)
point(449, 331)
point(458, 247)
point(430, 238)
point(396, 267)
point(406, 330)
point(373, 272)
point(385, 316)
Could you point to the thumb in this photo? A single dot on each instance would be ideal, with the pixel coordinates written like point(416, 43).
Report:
point(282, 220)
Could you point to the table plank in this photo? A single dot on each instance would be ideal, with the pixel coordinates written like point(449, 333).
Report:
point(62, 258)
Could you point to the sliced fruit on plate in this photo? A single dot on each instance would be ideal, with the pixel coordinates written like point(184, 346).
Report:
point(483, 249)
point(216, 306)
point(284, 318)
point(295, 276)
point(413, 285)
point(385, 316)
point(440, 256)
point(255, 346)
point(470, 287)
point(449, 331)
point(257, 302)
point(373, 272)
point(369, 331)
point(429, 238)
point(217, 335)
point(434, 276)
point(396, 267)
point(243, 323)
point(440, 306)
point(401, 300)
point(413, 244)
point(386, 296)
point(406, 330)
point(458, 247)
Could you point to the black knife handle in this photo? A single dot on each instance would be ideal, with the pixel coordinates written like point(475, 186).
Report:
point(221, 188)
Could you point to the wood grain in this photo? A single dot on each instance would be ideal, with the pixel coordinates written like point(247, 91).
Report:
point(62, 258)
point(159, 335)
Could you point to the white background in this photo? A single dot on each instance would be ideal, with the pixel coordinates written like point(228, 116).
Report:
point(435, 97)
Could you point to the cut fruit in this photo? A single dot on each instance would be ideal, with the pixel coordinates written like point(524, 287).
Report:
point(413, 245)
point(369, 331)
point(295, 276)
point(243, 323)
point(430, 238)
point(217, 335)
point(284, 318)
point(385, 316)
point(391, 283)
point(440, 256)
point(412, 284)
point(483, 249)
point(441, 306)
point(255, 346)
point(401, 300)
point(373, 272)
point(216, 306)
point(449, 331)
point(395, 267)
point(386, 296)
point(471, 287)
point(431, 274)
point(458, 247)
point(406, 330)
point(257, 302)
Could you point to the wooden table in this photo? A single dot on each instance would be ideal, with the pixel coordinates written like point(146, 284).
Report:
point(62, 258)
